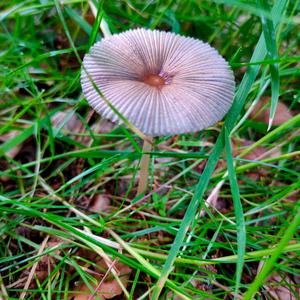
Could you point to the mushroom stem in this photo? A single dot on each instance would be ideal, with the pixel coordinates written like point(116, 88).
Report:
point(144, 168)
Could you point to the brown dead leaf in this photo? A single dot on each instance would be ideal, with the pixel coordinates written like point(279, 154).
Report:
point(107, 287)
point(100, 203)
point(257, 153)
point(103, 126)
point(213, 199)
point(280, 288)
point(294, 196)
point(45, 264)
point(161, 168)
point(7, 136)
point(255, 174)
point(3, 166)
point(171, 295)
point(261, 112)
point(199, 284)
point(73, 124)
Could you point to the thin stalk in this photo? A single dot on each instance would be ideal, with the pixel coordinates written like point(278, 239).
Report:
point(144, 169)
point(103, 25)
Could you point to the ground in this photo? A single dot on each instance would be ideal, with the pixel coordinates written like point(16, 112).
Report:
point(219, 218)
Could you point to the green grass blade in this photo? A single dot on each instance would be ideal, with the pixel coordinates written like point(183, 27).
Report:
point(57, 169)
point(84, 25)
point(239, 214)
point(95, 36)
point(272, 53)
point(269, 264)
point(26, 133)
point(295, 121)
point(240, 98)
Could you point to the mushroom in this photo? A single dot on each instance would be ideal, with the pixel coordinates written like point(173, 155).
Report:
point(162, 83)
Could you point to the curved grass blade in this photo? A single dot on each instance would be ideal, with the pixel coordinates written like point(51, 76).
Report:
point(272, 53)
point(239, 101)
point(84, 25)
point(94, 36)
point(238, 211)
point(269, 264)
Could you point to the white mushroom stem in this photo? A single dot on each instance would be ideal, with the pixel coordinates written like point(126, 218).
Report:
point(144, 167)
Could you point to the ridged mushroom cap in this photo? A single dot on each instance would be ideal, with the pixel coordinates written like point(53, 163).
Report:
point(163, 83)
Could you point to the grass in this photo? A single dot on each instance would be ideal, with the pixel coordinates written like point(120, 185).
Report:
point(54, 241)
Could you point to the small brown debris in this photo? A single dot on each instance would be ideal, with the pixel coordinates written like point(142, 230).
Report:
point(282, 288)
point(100, 203)
point(261, 112)
point(107, 287)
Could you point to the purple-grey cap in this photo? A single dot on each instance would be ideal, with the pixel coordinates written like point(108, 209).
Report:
point(163, 83)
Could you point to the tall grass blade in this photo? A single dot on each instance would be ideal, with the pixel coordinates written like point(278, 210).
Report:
point(239, 101)
point(269, 264)
point(238, 211)
point(272, 53)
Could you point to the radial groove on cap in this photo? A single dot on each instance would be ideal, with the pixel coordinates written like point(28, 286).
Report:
point(196, 89)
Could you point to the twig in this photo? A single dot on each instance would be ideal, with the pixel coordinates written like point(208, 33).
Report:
point(32, 271)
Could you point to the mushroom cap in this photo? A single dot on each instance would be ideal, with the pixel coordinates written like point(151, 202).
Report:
point(163, 83)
